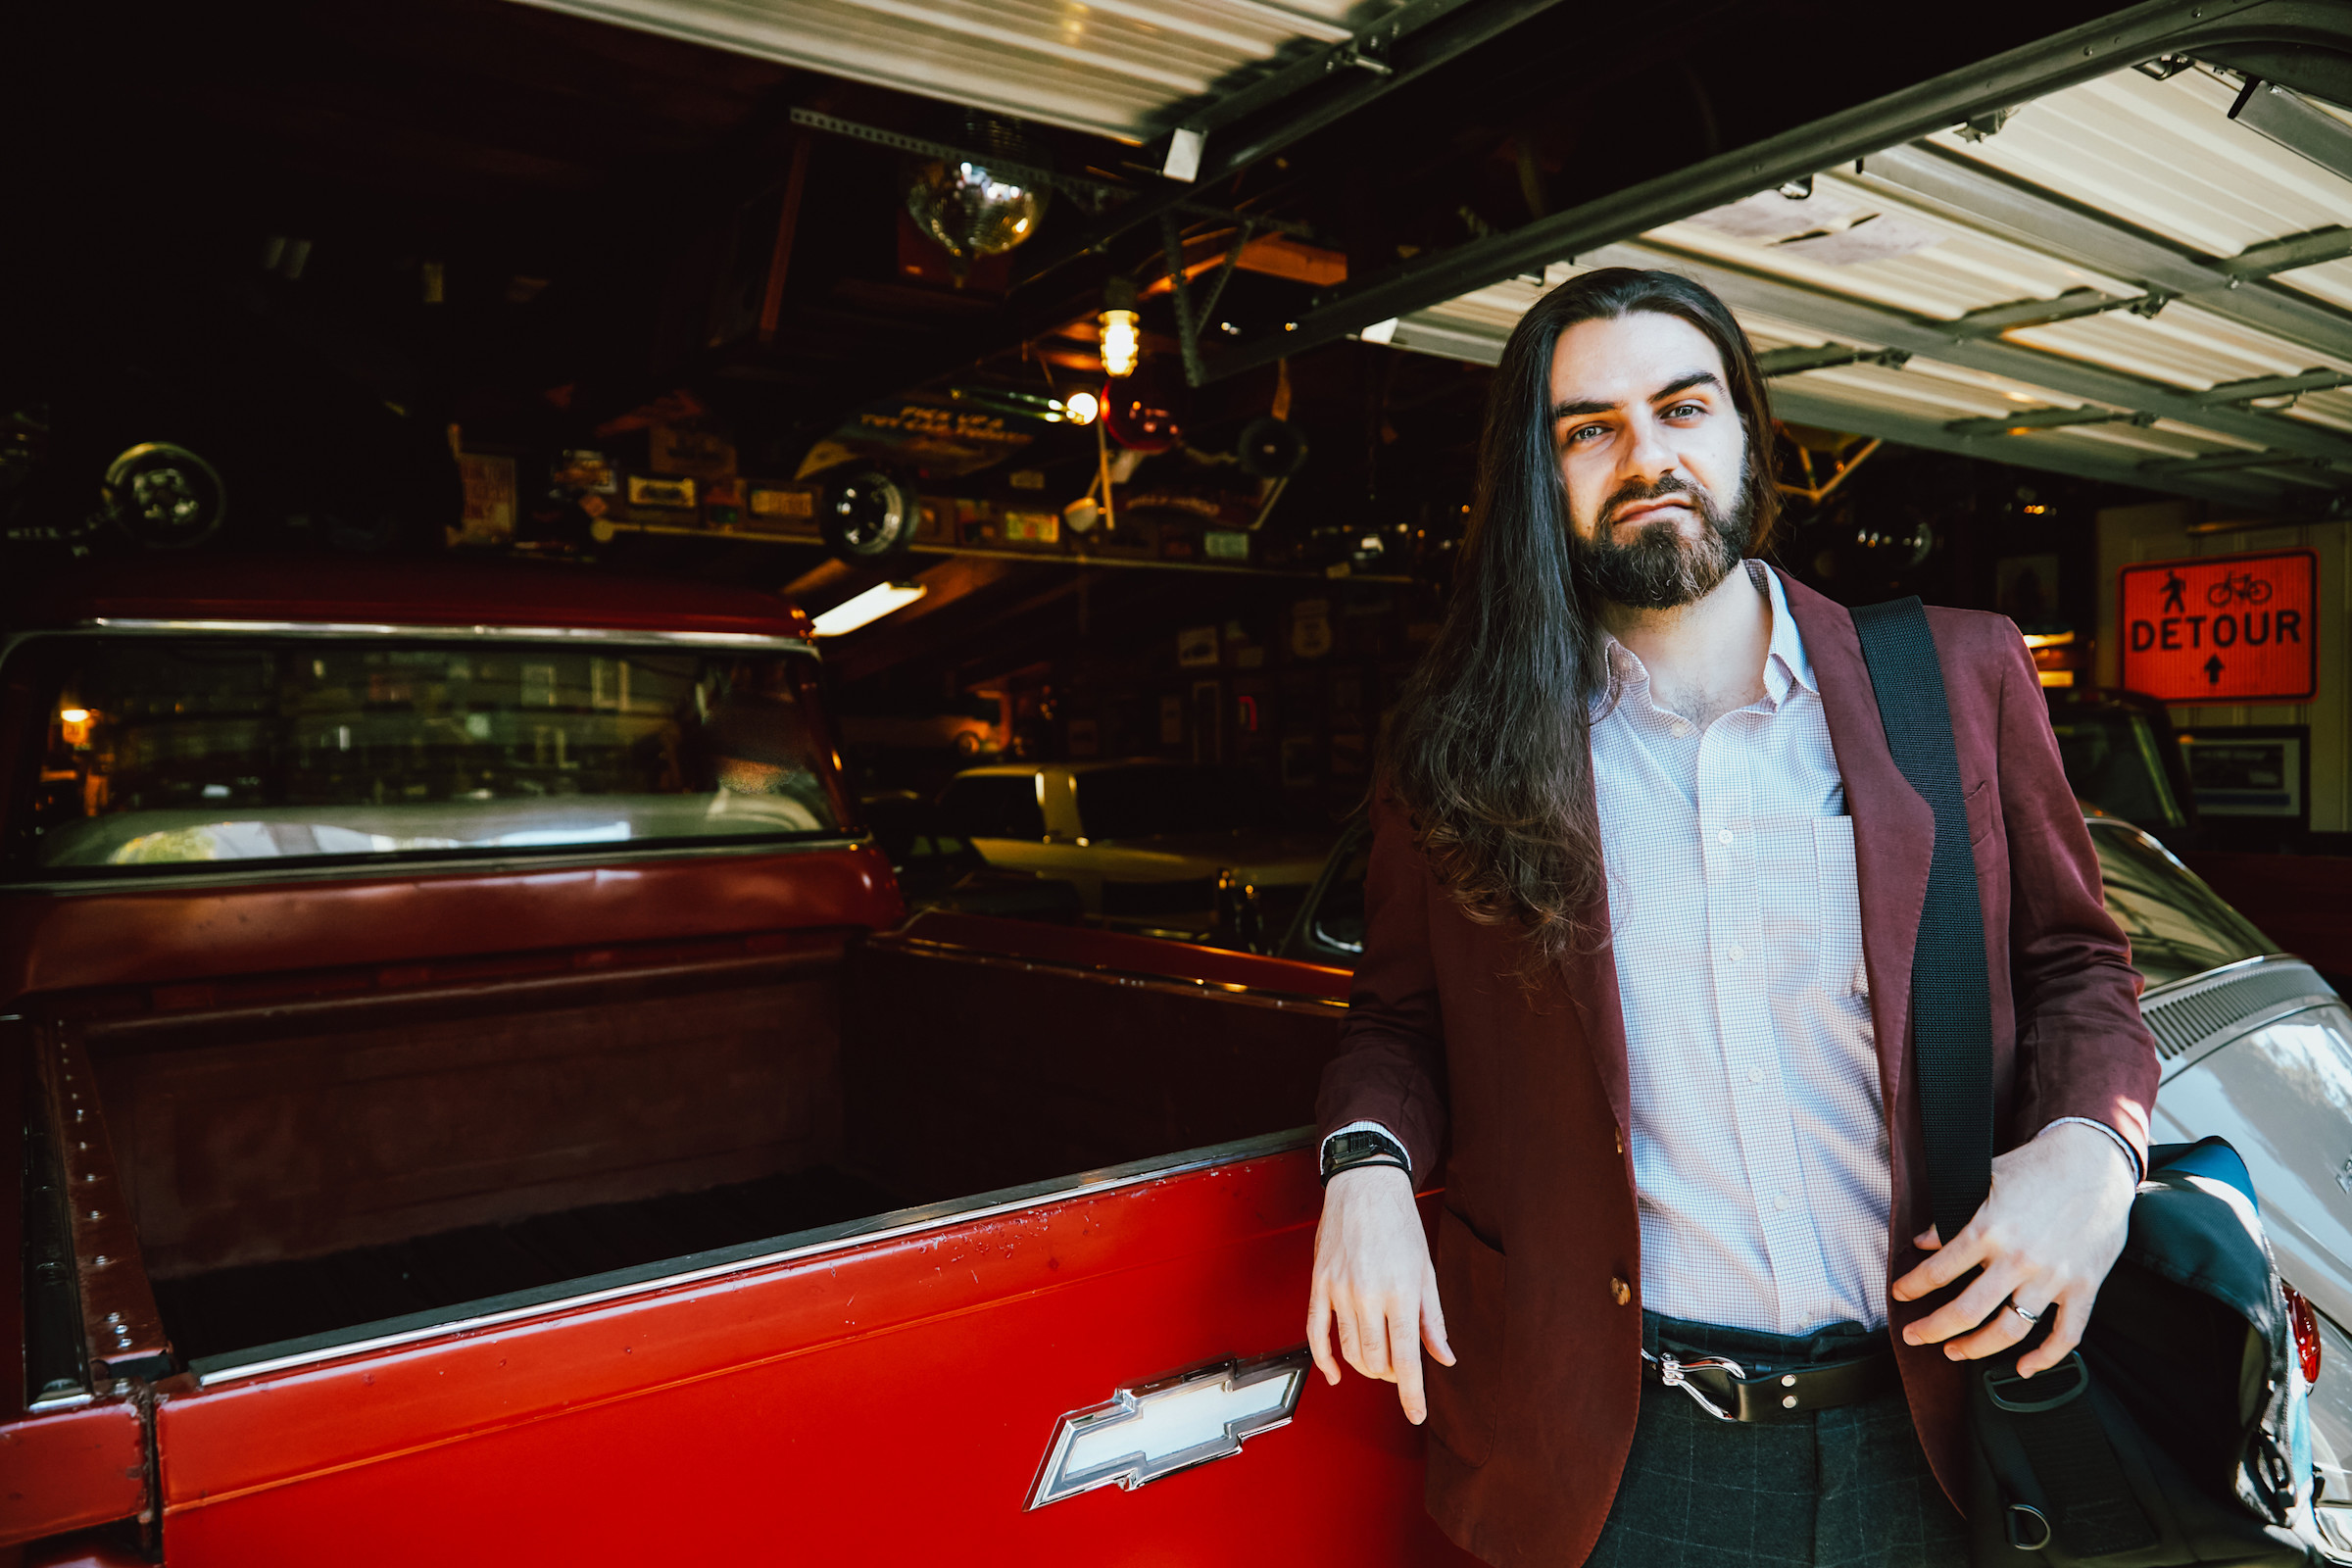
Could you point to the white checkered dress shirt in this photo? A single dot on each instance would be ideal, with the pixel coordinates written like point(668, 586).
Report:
point(1759, 1137)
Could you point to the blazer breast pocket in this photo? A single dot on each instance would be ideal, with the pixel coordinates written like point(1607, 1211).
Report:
point(1984, 805)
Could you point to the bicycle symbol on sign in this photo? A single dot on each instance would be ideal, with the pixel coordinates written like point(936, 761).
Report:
point(2239, 588)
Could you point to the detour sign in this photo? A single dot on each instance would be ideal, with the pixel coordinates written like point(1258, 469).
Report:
point(2222, 628)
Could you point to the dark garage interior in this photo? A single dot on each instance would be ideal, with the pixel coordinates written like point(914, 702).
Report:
point(830, 478)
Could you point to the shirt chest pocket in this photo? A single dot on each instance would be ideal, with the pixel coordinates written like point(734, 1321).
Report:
point(1839, 900)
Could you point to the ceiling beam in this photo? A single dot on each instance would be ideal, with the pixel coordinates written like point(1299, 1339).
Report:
point(2025, 420)
point(1795, 403)
point(1855, 320)
point(2285, 254)
point(1985, 198)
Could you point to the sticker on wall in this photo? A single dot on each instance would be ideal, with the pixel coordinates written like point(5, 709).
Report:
point(1310, 628)
point(1196, 646)
point(2222, 628)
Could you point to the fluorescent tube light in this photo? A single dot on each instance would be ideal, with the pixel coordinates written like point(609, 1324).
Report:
point(866, 607)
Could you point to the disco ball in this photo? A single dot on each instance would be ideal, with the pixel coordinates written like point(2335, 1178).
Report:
point(969, 210)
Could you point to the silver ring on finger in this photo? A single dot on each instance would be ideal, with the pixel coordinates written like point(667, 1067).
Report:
point(2031, 1317)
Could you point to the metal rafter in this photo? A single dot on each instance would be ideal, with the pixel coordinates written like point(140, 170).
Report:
point(1854, 320)
point(2238, 489)
point(1399, 48)
point(1985, 198)
point(1831, 357)
point(2044, 419)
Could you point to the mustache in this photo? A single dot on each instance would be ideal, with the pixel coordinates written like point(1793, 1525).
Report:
point(1634, 491)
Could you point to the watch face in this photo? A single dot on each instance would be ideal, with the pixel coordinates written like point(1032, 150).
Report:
point(1349, 1146)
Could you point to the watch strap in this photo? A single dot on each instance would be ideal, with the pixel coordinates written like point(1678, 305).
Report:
point(1362, 1147)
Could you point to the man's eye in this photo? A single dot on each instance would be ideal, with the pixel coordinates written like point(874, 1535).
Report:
point(1686, 409)
point(1584, 430)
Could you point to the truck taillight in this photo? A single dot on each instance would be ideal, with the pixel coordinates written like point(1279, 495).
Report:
point(2306, 1325)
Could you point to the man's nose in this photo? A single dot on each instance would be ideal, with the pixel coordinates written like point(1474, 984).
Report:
point(1648, 454)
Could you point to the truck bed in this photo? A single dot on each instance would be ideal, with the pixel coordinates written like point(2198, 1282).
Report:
point(306, 1156)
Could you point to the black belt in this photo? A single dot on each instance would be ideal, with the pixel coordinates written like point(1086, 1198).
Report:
point(1724, 1389)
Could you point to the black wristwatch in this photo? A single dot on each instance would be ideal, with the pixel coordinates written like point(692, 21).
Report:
point(1356, 1149)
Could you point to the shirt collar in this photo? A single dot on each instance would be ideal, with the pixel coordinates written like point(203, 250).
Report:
point(1784, 660)
point(1786, 663)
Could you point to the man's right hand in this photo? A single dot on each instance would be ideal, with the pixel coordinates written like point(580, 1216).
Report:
point(1373, 1279)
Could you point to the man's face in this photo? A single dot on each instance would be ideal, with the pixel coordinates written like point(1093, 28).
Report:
point(1653, 457)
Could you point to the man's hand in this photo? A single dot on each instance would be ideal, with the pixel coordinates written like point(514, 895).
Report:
point(2049, 1231)
point(1374, 1279)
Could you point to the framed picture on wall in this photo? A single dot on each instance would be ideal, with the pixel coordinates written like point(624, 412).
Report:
point(2251, 770)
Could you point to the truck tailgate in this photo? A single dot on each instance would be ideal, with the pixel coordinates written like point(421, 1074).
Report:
point(882, 1395)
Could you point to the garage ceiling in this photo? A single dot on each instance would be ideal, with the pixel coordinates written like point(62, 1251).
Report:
point(1115, 68)
point(2118, 281)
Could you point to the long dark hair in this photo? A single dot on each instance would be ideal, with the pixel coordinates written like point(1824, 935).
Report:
point(1490, 749)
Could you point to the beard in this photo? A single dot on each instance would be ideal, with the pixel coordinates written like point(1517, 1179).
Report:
point(1659, 569)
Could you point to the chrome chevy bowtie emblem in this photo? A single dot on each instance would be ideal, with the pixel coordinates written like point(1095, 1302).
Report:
point(1152, 1430)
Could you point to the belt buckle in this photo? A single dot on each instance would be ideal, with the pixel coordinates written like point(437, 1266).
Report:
point(1671, 1372)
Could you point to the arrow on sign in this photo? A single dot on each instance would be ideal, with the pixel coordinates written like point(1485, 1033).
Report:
point(2212, 668)
point(1155, 1429)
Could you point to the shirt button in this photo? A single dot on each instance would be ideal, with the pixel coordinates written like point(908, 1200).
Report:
point(1755, 1075)
point(1723, 836)
point(1779, 1201)
point(1681, 727)
point(1619, 1291)
point(1737, 954)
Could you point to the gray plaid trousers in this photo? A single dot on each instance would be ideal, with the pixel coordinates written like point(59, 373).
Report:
point(1847, 1487)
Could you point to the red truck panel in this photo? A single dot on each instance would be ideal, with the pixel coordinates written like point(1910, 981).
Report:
point(70, 1468)
point(887, 1402)
point(72, 941)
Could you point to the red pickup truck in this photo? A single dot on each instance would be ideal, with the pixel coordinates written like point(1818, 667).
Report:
point(473, 1100)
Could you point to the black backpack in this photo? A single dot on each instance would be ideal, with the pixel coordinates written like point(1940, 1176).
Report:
point(2169, 1435)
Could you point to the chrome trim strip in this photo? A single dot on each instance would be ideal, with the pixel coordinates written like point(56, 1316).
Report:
point(316, 1349)
point(473, 633)
point(2205, 977)
point(1141, 979)
point(60, 1402)
point(255, 873)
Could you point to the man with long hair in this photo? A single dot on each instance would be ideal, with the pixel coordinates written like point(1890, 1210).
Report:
point(1644, 890)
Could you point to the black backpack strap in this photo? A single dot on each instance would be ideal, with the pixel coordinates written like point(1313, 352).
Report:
point(1951, 996)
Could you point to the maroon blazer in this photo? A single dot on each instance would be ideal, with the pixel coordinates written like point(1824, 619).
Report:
point(1537, 1251)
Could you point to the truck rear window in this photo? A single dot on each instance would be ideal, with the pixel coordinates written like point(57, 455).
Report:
point(156, 753)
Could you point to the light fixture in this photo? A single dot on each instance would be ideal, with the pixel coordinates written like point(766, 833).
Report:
point(1122, 340)
point(73, 716)
point(1079, 409)
point(866, 607)
point(2296, 123)
point(973, 205)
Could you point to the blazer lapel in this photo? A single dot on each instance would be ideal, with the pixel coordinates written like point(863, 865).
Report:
point(1895, 829)
point(1590, 972)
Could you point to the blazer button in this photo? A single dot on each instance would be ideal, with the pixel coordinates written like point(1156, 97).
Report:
point(1619, 1291)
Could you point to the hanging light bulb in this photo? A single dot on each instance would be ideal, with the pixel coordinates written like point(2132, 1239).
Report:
point(1081, 407)
point(1121, 339)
